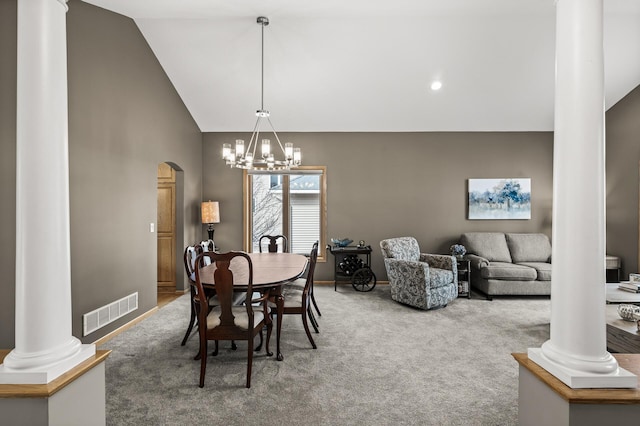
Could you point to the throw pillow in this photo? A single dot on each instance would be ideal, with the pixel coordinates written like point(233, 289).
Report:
point(529, 247)
point(490, 245)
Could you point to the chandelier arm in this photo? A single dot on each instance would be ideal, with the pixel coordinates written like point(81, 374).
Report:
point(276, 135)
point(254, 137)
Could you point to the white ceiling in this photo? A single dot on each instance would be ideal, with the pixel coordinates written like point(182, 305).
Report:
point(366, 65)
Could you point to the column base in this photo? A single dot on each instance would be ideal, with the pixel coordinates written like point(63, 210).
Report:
point(47, 373)
point(619, 379)
point(75, 398)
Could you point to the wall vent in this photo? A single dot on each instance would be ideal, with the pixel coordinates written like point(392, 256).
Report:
point(100, 317)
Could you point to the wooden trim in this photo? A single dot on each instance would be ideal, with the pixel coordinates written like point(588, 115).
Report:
point(47, 390)
point(322, 247)
point(125, 327)
point(246, 210)
point(630, 362)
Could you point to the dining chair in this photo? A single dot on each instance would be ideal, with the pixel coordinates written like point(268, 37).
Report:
point(273, 243)
point(207, 245)
point(191, 252)
point(228, 321)
point(297, 300)
point(300, 284)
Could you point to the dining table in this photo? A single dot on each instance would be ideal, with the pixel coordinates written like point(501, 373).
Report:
point(270, 272)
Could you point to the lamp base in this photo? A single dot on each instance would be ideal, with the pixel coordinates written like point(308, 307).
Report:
point(210, 231)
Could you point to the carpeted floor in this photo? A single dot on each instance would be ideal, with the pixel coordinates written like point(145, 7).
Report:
point(377, 363)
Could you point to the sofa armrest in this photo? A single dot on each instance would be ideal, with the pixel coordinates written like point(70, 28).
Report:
point(477, 262)
point(440, 261)
point(407, 273)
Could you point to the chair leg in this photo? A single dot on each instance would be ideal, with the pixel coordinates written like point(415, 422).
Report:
point(203, 360)
point(306, 328)
point(315, 305)
point(233, 345)
point(215, 350)
point(192, 321)
point(269, 328)
point(260, 344)
point(249, 361)
point(312, 318)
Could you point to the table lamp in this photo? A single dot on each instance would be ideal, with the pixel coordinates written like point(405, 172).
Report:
point(210, 215)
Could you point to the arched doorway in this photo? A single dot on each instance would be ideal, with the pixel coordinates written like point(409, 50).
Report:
point(170, 228)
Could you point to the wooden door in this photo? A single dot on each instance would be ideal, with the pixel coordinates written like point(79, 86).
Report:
point(166, 228)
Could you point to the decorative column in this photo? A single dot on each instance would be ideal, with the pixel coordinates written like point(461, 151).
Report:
point(44, 345)
point(576, 352)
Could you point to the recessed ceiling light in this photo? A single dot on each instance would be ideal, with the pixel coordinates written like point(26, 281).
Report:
point(436, 85)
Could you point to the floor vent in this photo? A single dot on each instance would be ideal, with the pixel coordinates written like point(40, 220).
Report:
point(107, 314)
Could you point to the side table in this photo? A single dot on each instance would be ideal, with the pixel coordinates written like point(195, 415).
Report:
point(464, 278)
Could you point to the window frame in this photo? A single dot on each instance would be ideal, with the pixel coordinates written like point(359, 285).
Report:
point(247, 204)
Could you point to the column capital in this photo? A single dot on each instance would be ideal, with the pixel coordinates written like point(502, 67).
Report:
point(64, 4)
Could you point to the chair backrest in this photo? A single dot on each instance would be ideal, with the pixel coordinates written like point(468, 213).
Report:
point(313, 258)
point(190, 254)
point(273, 243)
point(224, 279)
point(402, 248)
point(207, 245)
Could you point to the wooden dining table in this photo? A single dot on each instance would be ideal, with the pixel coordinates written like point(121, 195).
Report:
point(270, 272)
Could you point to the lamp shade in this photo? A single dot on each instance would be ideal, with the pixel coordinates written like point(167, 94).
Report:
point(210, 212)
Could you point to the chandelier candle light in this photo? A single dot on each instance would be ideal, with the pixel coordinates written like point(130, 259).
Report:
point(245, 158)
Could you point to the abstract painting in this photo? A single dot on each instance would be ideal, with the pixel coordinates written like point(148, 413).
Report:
point(507, 198)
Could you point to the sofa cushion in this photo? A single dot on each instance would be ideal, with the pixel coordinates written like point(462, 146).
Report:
point(542, 268)
point(508, 271)
point(529, 247)
point(490, 245)
point(440, 277)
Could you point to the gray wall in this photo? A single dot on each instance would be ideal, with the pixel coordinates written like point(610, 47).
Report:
point(384, 185)
point(125, 118)
point(8, 169)
point(623, 155)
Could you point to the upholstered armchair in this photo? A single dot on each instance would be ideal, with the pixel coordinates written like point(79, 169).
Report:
point(425, 281)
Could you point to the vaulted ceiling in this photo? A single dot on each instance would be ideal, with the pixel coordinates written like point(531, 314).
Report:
point(367, 65)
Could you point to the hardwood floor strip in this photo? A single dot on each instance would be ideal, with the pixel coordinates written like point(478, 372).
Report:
point(46, 390)
point(630, 362)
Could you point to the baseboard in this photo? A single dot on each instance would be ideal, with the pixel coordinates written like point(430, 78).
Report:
point(332, 282)
point(125, 327)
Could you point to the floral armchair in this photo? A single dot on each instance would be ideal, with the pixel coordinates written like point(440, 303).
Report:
point(417, 279)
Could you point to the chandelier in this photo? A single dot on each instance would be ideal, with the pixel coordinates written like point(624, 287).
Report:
point(244, 157)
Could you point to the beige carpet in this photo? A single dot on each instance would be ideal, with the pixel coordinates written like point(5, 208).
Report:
point(377, 363)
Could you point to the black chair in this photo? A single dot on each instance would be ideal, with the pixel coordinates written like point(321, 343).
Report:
point(228, 321)
point(273, 243)
point(297, 300)
point(300, 284)
point(190, 254)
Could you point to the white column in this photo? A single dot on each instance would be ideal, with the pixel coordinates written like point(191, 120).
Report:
point(576, 352)
point(44, 345)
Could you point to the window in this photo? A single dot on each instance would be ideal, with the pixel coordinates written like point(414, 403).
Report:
point(290, 203)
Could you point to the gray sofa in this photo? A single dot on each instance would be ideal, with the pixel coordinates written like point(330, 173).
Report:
point(509, 263)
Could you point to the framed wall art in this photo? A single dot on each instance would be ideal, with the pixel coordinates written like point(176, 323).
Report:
point(506, 198)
